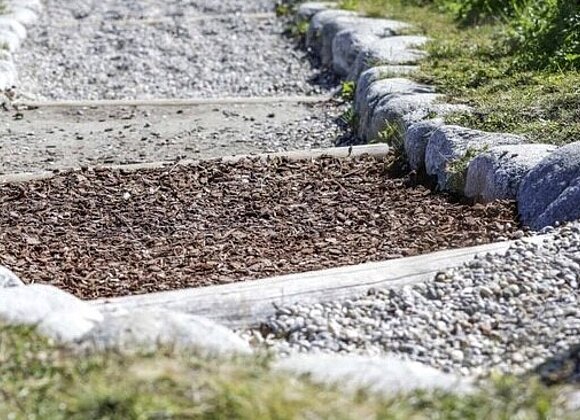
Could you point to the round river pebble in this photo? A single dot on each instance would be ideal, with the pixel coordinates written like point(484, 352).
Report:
point(507, 313)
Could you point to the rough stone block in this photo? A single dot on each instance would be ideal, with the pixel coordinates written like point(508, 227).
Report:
point(23, 15)
point(8, 74)
point(368, 96)
point(398, 109)
point(57, 314)
point(550, 192)
point(12, 25)
point(497, 173)
point(416, 139)
point(448, 150)
point(386, 376)
point(148, 329)
point(9, 39)
point(395, 50)
point(375, 74)
point(355, 34)
point(314, 34)
point(9, 279)
point(34, 5)
point(307, 10)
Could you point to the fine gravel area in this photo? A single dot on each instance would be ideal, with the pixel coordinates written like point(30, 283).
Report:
point(143, 9)
point(89, 50)
point(103, 233)
point(49, 138)
point(507, 313)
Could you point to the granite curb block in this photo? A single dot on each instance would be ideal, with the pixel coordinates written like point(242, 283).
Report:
point(18, 15)
point(479, 165)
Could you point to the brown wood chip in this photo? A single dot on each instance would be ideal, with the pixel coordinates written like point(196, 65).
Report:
point(108, 233)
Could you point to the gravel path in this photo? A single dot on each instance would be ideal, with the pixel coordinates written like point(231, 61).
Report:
point(117, 49)
point(70, 137)
point(105, 233)
point(508, 313)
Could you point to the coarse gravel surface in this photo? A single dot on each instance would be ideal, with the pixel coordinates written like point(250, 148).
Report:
point(49, 138)
point(507, 313)
point(109, 233)
point(89, 50)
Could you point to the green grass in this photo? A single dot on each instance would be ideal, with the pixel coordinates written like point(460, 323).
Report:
point(347, 91)
point(519, 72)
point(40, 380)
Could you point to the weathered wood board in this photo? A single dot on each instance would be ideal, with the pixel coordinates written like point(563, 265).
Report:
point(244, 304)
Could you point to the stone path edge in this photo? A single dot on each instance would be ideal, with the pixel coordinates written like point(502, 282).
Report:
point(476, 164)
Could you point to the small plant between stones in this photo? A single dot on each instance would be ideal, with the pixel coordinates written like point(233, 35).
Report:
point(394, 136)
point(457, 168)
point(347, 91)
point(350, 118)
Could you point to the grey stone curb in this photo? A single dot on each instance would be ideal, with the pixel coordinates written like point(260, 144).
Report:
point(20, 14)
point(479, 165)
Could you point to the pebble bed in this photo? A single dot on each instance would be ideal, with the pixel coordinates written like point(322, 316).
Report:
point(505, 313)
point(89, 50)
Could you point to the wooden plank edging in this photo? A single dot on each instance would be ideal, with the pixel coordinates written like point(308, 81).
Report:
point(374, 150)
point(245, 304)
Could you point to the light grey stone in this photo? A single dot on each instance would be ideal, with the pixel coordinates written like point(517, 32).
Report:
point(8, 74)
point(314, 34)
point(370, 95)
point(7, 24)
point(307, 10)
point(404, 110)
point(373, 75)
point(57, 314)
point(449, 144)
point(386, 376)
point(34, 5)
point(393, 50)
point(416, 139)
point(66, 327)
point(9, 279)
point(148, 329)
point(497, 173)
point(346, 46)
point(9, 39)
point(550, 192)
point(349, 46)
point(23, 15)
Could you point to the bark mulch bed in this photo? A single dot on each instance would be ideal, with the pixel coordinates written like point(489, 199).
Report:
point(104, 233)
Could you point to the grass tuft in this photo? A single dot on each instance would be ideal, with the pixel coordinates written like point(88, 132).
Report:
point(517, 68)
point(40, 380)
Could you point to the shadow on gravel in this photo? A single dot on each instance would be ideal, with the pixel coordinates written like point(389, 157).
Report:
point(562, 369)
